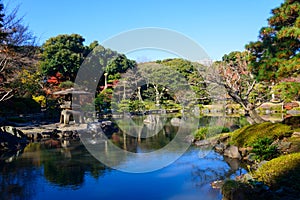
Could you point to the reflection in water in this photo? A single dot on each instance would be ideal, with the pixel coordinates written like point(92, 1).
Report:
point(156, 148)
point(216, 170)
point(17, 180)
point(146, 137)
point(65, 169)
point(60, 166)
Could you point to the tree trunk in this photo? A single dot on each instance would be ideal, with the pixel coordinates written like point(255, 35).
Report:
point(253, 117)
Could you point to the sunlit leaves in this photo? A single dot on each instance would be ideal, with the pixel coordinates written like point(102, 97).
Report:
point(64, 54)
point(275, 55)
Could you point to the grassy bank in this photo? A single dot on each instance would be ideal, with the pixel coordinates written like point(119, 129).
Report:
point(282, 171)
point(248, 135)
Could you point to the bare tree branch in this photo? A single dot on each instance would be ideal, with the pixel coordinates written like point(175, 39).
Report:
point(6, 95)
point(233, 74)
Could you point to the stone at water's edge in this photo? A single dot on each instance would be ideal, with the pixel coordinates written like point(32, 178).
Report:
point(217, 184)
point(13, 131)
point(12, 139)
point(189, 139)
point(232, 152)
point(220, 148)
point(282, 145)
point(202, 143)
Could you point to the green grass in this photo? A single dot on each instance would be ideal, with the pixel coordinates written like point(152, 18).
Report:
point(281, 171)
point(248, 135)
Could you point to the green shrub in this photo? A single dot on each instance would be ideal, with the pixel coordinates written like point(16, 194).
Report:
point(201, 133)
point(66, 84)
point(264, 149)
point(281, 171)
point(169, 104)
point(288, 91)
point(247, 135)
point(225, 130)
point(206, 132)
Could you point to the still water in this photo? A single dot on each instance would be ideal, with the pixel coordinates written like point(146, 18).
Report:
point(66, 170)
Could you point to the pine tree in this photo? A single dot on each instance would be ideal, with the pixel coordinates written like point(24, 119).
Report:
point(3, 34)
point(276, 53)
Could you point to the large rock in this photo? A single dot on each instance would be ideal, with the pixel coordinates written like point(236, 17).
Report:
point(189, 139)
point(201, 143)
point(13, 131)
point(232, 152)
point(12, 138)
point(283, 146)
point(219, 148)
point(293, 112)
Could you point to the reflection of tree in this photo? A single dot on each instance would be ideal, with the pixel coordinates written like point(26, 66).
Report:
point(205, 174)
point(146, 137)
point(63, 173)
point(70, 171)
point(17, 180)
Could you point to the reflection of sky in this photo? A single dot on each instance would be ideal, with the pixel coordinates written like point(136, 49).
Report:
point(175, 182)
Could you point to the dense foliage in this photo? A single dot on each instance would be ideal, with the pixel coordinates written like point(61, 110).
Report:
point(17, 52)
point(281, 171)
point(64, 54)
point(263, 149)
point(276, 53)
point(288, 91)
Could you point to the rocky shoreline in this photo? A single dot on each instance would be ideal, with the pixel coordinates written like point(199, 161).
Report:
point(246, 186)
point(13, 139)
point(57, 130)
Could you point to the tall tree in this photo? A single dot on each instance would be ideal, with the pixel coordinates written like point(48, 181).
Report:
point(233, 74)
point(63, 54)
point(118, 66)
point(98, 61)
point(3, 34)
point(276, 53)
point(190, 71)
point(17, 51)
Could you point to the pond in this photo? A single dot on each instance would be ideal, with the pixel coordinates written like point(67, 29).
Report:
point(53, 169)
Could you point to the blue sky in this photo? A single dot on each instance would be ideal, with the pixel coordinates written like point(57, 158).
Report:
point(218, 26)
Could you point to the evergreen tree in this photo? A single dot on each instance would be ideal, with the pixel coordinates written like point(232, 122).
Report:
point(3, 34)
point(276, 54)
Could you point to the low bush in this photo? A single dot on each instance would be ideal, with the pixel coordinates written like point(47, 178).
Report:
point(66, 84)
point(206, 132)
point(247, 135)
point(264, 150)
point(281, 171)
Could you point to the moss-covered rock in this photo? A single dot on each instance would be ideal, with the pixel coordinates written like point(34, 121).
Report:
point(295, 146)
point(247, 135)
point(281, 171)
